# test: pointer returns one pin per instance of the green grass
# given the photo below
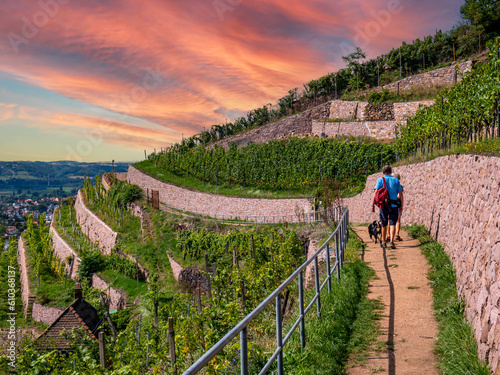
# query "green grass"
(488, 147)
(131, 287)
(456, 347)
(348, 323)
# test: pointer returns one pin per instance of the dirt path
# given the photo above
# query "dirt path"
(176, 267)
(408, 325)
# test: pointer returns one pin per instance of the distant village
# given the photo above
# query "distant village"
(13, 213)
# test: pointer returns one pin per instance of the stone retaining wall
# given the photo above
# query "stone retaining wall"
(374, 129)
(22, 261)
(115, 298)
(458, 199)
(294, 125)
(404, 110)
(63, 250)
(37, 312)
(45, 314)
(439, 77)
(211, 204)
(93, 227)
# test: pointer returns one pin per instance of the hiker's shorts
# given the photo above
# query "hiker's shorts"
(389, 215)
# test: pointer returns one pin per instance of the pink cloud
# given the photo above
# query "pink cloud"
(102, 53)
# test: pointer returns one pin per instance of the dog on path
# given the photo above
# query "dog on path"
(375, 231)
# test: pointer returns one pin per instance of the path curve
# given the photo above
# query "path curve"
(408, 327)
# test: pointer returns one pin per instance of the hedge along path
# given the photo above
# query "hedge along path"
(408, 328)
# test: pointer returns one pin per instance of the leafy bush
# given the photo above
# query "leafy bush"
(92, 262)
(124, 193)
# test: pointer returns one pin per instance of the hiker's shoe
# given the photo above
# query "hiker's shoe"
(391, 244)
(399, 238)
(383, 245)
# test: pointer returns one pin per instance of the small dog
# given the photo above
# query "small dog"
(375, 230)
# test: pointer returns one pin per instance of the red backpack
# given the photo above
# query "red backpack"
(382, 196)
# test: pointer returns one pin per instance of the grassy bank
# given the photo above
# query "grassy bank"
(456, 347)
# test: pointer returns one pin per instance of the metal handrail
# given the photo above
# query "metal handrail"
(340, 237)
(309, 217)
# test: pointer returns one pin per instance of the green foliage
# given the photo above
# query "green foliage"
(38, 241)
(485, 13)
(92, 262)
(111, 206)
(124, 193)
(456, 346)
(381, 97)
(296, 163)
(464, 114)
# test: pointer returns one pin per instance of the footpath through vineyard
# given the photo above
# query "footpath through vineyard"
(408, 328)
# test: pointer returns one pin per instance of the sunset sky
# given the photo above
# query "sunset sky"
(98, 80)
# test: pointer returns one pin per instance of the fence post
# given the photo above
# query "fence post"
(279, 334)
(301, 309)
(171, 340)
(102, 350)
(328, 268)
(244, 351)
(316, 278)
(337, 254)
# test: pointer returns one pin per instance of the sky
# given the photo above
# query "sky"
(102, 80)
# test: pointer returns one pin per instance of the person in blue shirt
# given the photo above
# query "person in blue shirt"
(398, 224)
(389, 215)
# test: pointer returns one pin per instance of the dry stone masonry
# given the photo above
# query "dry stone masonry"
(116, 300)
(458, 199)
(32, 309)
(93, 227)
(375, 129)
(211, 204)
(298, 124)
(439, 77)
(378, 121)
(63, 250)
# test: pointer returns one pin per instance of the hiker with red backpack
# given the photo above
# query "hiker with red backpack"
(388, 197)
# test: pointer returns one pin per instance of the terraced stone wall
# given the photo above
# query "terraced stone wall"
(211, 204)
(457, 198)
(93, 227)
(439, 77)
(63, 250)
(375, 129)
(32, 309)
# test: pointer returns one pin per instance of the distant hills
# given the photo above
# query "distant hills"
(26, 177)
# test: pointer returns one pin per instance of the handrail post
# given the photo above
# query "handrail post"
(316, 277)
(328, 273)
(244, 351)
(301, 309)
(279, 334)
(337, 254)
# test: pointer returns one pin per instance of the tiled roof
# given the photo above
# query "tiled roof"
(79, 314)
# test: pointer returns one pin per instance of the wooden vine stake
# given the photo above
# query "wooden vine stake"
(253, 247)
(243, 297)
(102, 350)
(171, 339)
(235, 257)
(207, 269)
(198, 298)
